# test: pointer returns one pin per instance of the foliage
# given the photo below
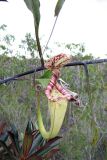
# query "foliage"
(34, 7)
(33, 146)
(58, 6)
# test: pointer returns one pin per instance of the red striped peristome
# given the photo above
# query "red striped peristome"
(71, 96)
(52, 83)
(68, 94)
(58, 61)
(54, 64)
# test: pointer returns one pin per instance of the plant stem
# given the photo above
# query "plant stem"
(39, 47)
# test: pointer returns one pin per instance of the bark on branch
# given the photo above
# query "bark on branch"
(75, 63)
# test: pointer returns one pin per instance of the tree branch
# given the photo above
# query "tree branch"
(15, 77)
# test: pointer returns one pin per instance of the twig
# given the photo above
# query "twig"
(21, 75)
(42, 68)
(50, 35)
(87, 62)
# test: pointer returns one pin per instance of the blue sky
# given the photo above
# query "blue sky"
(80, 21)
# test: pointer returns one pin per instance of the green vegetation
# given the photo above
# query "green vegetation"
(33, 145)
(84, 129)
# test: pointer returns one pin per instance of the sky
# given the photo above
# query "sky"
(80, 21)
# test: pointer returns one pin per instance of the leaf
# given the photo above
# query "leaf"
(7, 149)
(43, 82)
(15, 143)
(3, 47)
(34, 157)
(37, 142)
(86, 113)
(48, 146)
(14, 137)
(45, 78)
(4, 137)
(34, 7)
(51, 141)
(95, 137)
(95, 132)
(58, 7)
(2, 126)
(47, 74)
(28, 139)
(51, 153)
(13, 134)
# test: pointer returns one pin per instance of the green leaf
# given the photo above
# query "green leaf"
(58, 7)
(15, 143)
(49, 146)
(4, 137)
(28, 139)
(95, 137)
(34, 7)
(37, 142)
(95, 132)
(43, 82)
(3, 47)
(3, 27)
(86, 113)
(45, 78)
(47, 74)
(13, 134)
